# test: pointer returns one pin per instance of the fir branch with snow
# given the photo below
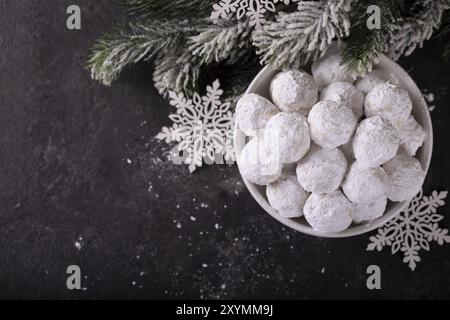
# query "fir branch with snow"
(411, 32)
(296, 38)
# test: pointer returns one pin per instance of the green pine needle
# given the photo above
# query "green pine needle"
(135, 43)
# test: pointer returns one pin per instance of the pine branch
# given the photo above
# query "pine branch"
(169, 8)
(302, 36)
(225, 41)
(176, 70)
(138, 42)
(364, 45)
(413, 31)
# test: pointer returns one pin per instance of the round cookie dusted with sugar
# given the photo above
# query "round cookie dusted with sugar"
(369, 211)
(412, 136)
(287, 135)
(405, 177)
(391, 102)
(329, 69)
(257, 165)
(346, 93)
(375, 142)
(331, 123)
(253, 112)
(364, 185)
(286, 196)
(294, 90)
(370, 81)
(322, 170)
(328, 212)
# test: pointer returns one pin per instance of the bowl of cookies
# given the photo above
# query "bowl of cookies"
(331, 154)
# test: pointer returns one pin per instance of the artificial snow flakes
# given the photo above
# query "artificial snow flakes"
(202, 126)
(413, 229)
(254, 9)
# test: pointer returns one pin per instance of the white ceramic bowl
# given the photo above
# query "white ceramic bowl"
(260, 85)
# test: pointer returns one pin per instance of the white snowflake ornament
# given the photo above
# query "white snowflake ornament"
(253, 9)
(413, 229)
(202, 126)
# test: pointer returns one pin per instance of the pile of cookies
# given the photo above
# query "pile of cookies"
(330, 146)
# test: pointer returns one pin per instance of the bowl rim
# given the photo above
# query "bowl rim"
(355, 229)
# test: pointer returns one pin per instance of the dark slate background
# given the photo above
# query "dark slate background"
(69, 196)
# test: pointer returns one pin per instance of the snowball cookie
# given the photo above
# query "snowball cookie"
(390, 102)
(257, 165)
(294, 90)
(369, 211)
(331, 123)
(287, 135)
(405, 177)
(364, 185)
(253, 112)
(345, 92)
(412, 136)
(371, 80)
(329, 69)
(375, 142)
(287, 196)
(328, 212)
(322, 170)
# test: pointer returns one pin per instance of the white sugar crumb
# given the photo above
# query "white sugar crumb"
(217, 226)
(129, 161)
(223, 286)
(179, 225)
(204, 265)
(429, 97)
(78, 243)
(322, 271)
(193, 218)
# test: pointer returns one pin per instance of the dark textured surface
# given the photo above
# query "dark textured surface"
(65, 182)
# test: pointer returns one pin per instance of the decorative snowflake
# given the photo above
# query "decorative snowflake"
(202, 126)
(413, 229)
(254, 9)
